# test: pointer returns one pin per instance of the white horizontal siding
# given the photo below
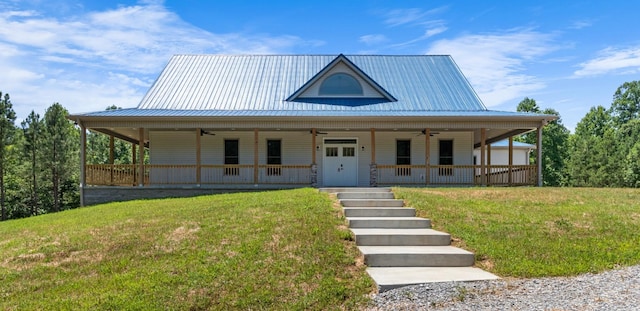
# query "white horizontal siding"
(179, 147)
(386, 147)
(172, 148)
(500, 156)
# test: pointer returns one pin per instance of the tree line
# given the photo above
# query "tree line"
(603, 151)
(39, 159)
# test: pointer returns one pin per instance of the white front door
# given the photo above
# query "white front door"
(340, 163)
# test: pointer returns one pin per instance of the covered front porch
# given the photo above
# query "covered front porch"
(196, 157)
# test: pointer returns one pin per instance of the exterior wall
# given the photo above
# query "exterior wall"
(179, 148)
(386, 147)
(172, 148)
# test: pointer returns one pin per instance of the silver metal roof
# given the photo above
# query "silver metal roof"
(259, 86)
(134, 112)
(263, 83)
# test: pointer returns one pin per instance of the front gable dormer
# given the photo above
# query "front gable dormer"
(341, 83)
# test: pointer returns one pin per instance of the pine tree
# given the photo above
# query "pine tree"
(7, 129)
(32, 131)
(60, 150)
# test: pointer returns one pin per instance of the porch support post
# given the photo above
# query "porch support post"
(83, 161)
(539, 155)
(133, 162)
(255, 156)
(314, 165)
(427, 155)
(111, 147)
(141, 157)
(373, 167)
(313, 145)
(510, 160)
(489, 164)
(198, 156)
(483, 151)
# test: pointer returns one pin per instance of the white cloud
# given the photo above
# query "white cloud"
(612, 61)
(399, 17)
(434, 31)
(416, 18)
(373, 39)
(495, 64)
(94, 60)
(580, 24)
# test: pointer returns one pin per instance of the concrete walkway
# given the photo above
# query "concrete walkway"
(399, 248)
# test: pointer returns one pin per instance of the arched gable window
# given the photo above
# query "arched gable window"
(340, 84)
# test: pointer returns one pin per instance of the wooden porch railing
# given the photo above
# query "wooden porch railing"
(504, 175)
(126, 174)
(155, 174)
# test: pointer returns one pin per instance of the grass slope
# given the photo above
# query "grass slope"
(534, 232)
(268, 250)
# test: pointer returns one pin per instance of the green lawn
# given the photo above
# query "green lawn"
(281, 250)
(534, 232)
(290, 249)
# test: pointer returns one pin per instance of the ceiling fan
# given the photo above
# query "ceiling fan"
(318, 133)
(203, 132)
(424, 132)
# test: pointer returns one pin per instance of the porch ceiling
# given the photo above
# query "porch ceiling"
(493, 134)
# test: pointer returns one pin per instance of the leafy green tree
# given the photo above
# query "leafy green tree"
(98, 148)
(626, 103)
(554, 144)
(632, 167)
(32, 131)
(60, 151)
(585, 157)
(7, 130)
(628, 138)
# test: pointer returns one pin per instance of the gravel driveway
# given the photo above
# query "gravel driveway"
(611, 290)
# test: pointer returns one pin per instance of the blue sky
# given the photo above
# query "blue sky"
(87, 55)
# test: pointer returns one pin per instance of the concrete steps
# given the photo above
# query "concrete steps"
(389, 222)
(371, 203)
(400, 237)
(379, 212)
(399, 248)
(366, 195)
(416, 256)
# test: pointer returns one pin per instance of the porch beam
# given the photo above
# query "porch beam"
(510, 160)
(198, 156)
(539, 155)
(141, 157)
(427, 155)
(483, 172)
(255, 156)
(503, 136)
(83, 161)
